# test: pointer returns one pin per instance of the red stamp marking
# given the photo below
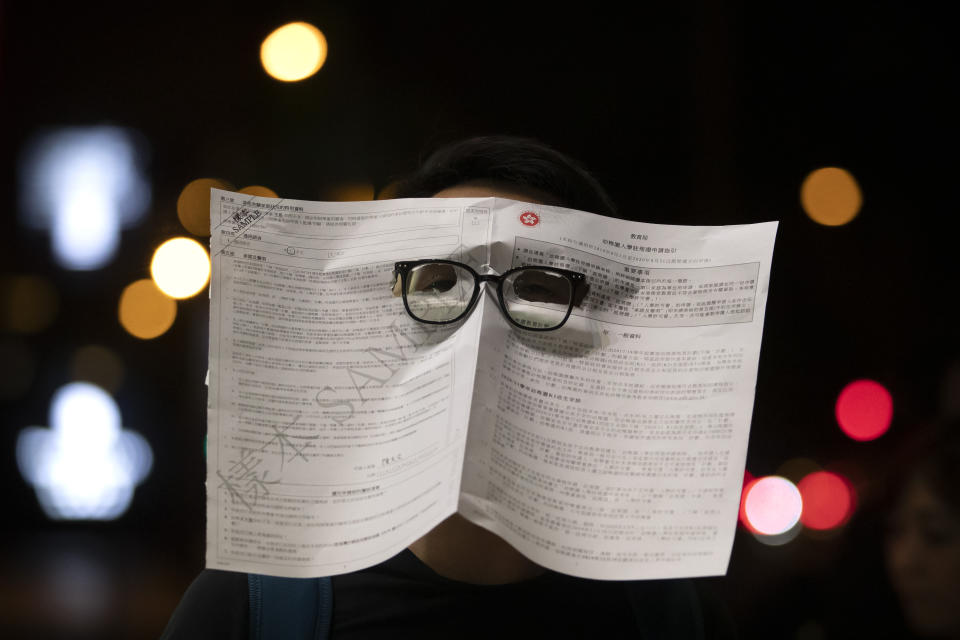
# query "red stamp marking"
(529, 218)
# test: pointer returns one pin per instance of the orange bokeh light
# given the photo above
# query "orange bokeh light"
(193, 204)
(831, 196)
(259, 190)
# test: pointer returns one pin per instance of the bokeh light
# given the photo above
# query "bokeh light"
(28, 304)
(85, 466)
(18, 370)
(389, 191)
(831, 196)
(351, 191)
(80, 588)
(772, 505)
(84, 184)
(99, 365)
(864, 410)
(180, 267)
(748, 480)
(193, 204)
(796, 469)
(780, 539)
(257, 190)
(828, 500)
(145, 311)
(294, 52)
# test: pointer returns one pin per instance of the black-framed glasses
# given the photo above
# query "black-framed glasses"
(444, 291)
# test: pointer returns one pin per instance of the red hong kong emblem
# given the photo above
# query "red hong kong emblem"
(529, 218)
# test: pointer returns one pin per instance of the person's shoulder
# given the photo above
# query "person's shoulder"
(214, 607)
(679, 608)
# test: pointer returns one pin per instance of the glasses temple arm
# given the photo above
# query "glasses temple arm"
(580, 291)
(397, 288)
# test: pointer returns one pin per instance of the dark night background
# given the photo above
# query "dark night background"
(690, 113)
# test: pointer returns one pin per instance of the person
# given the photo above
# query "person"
(460, 580)
(922, 549)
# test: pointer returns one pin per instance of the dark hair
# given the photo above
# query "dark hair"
(933, 457)
(511, 161)
(940, 469)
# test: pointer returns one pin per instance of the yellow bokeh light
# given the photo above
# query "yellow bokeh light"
(257, 190)
(389, 191)
(795, 469)
(99, 365)
(28, 304)
(180, 267)
(294, 51)
(831, 196)
(18, 370)
(144, 311)
(350, 192)
(193, 205)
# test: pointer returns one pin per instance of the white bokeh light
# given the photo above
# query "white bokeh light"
(84, 184)
(86, 232)
(773, 505)
(85, 466)
(180, 267)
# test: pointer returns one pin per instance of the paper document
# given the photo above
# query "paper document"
(341, 430)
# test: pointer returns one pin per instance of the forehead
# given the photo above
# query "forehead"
(920, 502)
(482, 189)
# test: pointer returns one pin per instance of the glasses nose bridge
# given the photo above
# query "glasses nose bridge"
(490, 277)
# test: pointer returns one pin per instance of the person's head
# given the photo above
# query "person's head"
(519, 168)
(923, 539)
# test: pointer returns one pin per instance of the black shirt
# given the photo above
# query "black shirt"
(404, 598)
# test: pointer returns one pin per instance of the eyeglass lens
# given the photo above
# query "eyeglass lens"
(537, 299)
(439, 292)
(533, 298)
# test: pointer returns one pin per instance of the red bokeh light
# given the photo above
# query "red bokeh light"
(748, 480)
(864, 410)
(828, 500)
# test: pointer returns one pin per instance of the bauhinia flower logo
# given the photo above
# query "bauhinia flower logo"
(529, 218)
